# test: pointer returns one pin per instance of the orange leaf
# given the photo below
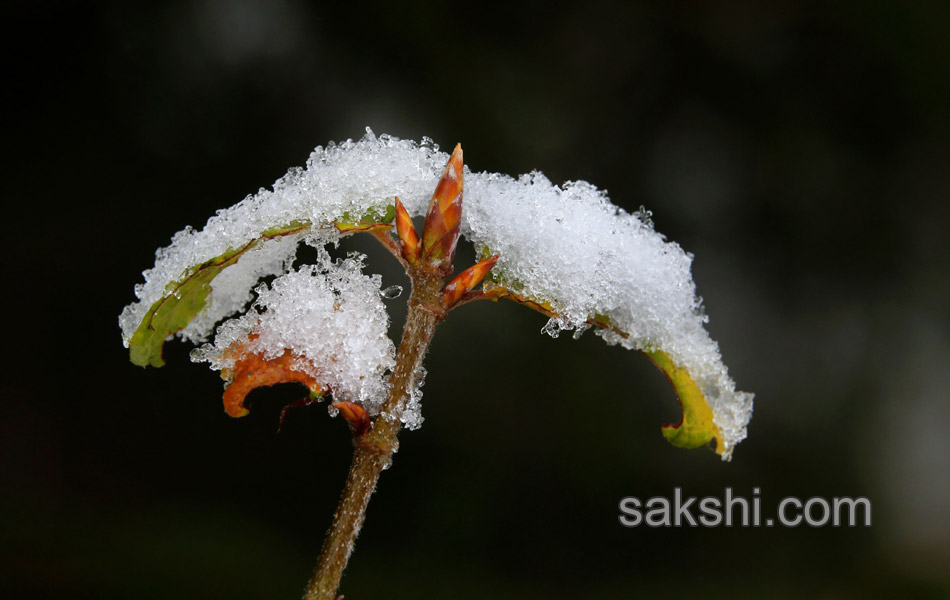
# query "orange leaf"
(253, 371)
(407, 234)
(465, 281)
(441, 231)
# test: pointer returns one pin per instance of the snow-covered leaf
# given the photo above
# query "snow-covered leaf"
(186, 298)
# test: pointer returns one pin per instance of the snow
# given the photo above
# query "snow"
(331, 316)
(410, 412)
(567, 245)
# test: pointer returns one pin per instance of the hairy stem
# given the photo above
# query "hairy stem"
(373, 450)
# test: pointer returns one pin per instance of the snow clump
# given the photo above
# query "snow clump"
(331, 316)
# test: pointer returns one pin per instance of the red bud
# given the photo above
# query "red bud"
(465, 281)
(407, 234)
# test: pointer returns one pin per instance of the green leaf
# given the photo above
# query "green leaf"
(185, 298)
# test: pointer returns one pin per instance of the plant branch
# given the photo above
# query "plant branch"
(373, 450)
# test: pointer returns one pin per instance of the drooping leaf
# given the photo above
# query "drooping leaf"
(696, 427)
(185, 298)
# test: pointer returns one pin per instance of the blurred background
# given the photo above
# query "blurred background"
(799, 151)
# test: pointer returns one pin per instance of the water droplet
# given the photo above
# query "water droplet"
(393, 291)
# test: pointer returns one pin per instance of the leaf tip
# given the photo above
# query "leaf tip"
(697, 426)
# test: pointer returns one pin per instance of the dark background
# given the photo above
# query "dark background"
(800, 151)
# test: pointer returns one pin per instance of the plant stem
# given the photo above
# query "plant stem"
(373, 450)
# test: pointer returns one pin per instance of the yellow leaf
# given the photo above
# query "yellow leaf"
(696, 428)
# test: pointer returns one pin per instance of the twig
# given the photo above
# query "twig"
(373, 450)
